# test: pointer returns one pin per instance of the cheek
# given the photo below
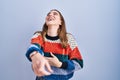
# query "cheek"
(60, 22)
(46, 19)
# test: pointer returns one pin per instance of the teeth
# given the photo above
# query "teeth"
(50, 19)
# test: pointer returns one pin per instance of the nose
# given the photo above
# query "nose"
(50, 14)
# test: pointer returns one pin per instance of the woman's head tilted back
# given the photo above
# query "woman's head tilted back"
(56, 19)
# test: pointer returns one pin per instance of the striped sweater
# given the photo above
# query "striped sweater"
(70, 56)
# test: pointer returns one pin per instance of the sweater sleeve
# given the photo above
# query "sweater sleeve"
(72, 66)
(34, 46)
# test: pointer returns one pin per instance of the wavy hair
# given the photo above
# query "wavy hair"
(61, 31)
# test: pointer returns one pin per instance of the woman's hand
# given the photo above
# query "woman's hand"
(40, 65)
(53, 61)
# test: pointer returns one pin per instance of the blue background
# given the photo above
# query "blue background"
(94, 23)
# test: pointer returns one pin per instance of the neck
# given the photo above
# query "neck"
(52, 31)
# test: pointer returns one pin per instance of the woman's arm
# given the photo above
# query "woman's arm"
(40, 65)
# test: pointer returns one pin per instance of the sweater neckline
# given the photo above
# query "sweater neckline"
(52, 37)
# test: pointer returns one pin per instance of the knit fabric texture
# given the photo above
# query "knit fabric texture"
(70, 56)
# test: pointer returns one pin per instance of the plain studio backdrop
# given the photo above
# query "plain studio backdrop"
(95, 25)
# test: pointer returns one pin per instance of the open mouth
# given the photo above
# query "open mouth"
(50, 19)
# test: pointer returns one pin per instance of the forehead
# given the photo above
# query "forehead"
(54, 11)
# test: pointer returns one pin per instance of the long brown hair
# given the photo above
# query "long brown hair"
(61, 31)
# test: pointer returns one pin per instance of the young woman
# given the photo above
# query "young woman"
(54, 52)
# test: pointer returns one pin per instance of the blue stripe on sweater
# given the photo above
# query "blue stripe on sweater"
(32, 48)
(58, 77)
(70, 65)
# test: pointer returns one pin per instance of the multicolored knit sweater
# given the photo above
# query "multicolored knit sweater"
(70, 57)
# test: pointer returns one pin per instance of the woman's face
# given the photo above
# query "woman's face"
(53, 18)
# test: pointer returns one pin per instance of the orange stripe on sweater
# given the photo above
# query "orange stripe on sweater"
(55, 48)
